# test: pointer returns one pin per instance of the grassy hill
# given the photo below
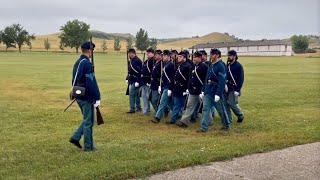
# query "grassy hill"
(188, 42)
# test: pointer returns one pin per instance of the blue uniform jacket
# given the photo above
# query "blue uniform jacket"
(237, 72)
(155, 76)
(86, 78)
(198, 78)
(134, 70)
(167, 76)
(146, 71)
(216, 79)
(181, 79)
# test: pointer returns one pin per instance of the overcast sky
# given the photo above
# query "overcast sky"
(247, 19)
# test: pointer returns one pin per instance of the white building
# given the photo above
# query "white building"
(251, 48)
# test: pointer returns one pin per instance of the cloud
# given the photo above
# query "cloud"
(166, 18)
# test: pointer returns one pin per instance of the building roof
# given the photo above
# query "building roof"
(245, 43)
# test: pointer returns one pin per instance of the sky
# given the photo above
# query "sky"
(246, 19)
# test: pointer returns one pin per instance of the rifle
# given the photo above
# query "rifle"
(127, 92)
(144, 57)
(161, 69)
(186, 101)
(98, 113)
(201, 101)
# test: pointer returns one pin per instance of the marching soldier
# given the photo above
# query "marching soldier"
(235, 78)
(181, 79)
(134, 80)
(205, 57)
(147, 67)
(166, 87)
(83, 76)
(155, 80)
(189, 62)
(198, 77)
(213, 94)
(208, 63)
(174, 55)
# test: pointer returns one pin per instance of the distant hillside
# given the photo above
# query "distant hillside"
(110, 36)
(189, 42)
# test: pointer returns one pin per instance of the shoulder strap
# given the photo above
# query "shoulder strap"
(147, 62)
(195, 71)
(133, 68)
(181, 74)
(231, 75)
(165, 73)
(75, 77)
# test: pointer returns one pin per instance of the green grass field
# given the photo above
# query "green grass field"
(281, 101)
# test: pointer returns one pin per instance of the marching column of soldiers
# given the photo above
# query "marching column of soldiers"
(175, 84)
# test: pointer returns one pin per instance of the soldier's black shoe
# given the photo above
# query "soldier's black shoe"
(240, 120)
(90, 150)
(225, 128)
(181, 124)
(170, 122)
(155, 120)
(139, 110)
(76, 143)
(130, 112)
(201, 131)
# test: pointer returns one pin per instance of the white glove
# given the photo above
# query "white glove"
(236, 93)
(148, 84)
(97, 103)
(136, 84)
(226, 88)
(201, 95)
(127, 81)
(216, 98)
(184, 93)
(187, 91)
(169, 93)
(159, 89)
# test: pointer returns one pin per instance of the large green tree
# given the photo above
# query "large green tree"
(0, 37)
(153, 43)
(74, 33)
(129, 42)
(46, 44)
(116, 44)
(299, 43)
(142, 40)
(7, 37)
(104, 46)
(16, 35)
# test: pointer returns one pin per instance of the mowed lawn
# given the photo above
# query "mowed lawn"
(280, 99)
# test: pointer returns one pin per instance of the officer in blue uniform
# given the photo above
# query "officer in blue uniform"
(198, 78)
(83, 76)
(181, 79)
(155, 80)
(213, 94)
(235, 79)
(134, 80)
(166, 87)
(146, 80)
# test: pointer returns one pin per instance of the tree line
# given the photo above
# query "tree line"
(72, 34)
(75, 32)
